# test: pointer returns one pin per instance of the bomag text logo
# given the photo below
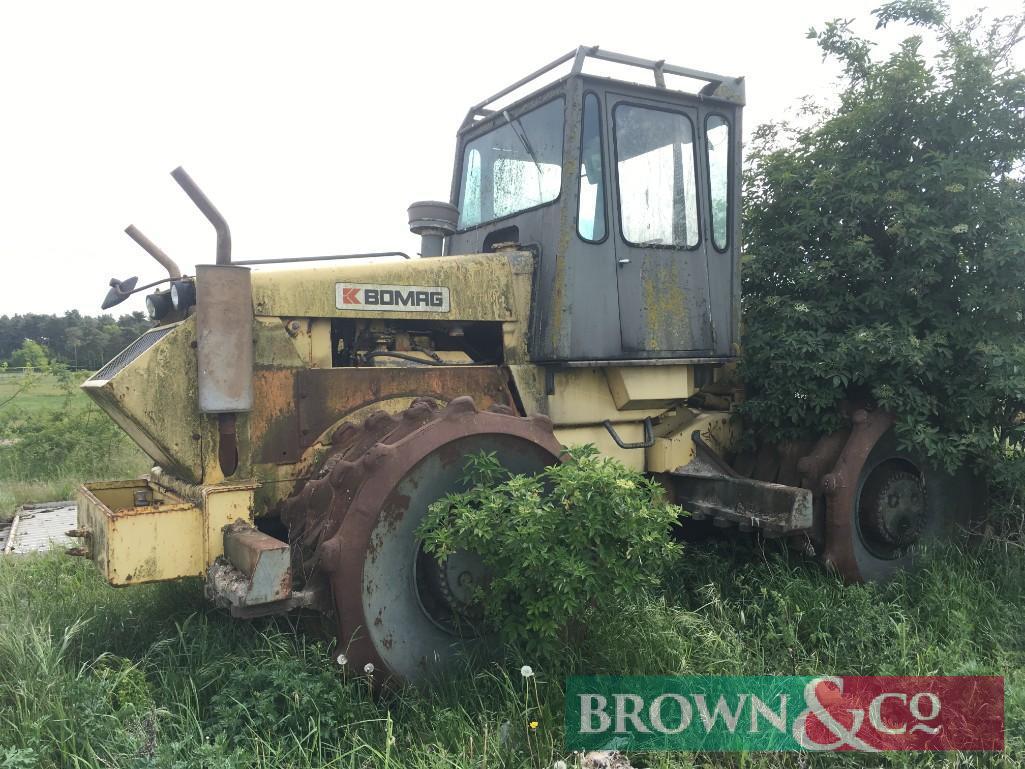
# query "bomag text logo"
(376, 297)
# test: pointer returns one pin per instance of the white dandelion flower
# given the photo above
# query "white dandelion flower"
(526, 671)
(341, 659)
(368, 668)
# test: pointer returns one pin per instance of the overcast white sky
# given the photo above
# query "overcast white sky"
(311, 125)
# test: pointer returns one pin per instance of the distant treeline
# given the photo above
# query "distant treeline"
(80, 341)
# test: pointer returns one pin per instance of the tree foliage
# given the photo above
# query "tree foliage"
(77, 340)
(887, 241)
(30, 354)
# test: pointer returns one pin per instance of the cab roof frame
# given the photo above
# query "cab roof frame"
(726, 88)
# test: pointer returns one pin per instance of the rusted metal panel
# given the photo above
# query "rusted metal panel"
(141, 531)
(224, 336)
(327, 395)
(152, 397)
(274, 420)
(771, 508)
(263, 560)
(41, 527)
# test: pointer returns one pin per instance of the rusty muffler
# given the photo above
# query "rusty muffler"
(224, 331)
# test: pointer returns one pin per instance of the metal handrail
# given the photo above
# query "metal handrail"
(582, 53)
(288, 259)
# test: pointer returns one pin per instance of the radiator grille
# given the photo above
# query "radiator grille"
(131, 352)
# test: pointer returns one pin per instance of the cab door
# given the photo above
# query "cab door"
(662, 255)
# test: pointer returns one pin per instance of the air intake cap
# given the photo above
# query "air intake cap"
(433, 221)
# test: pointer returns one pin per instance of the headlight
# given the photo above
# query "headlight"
(183, 294)
(158, 304)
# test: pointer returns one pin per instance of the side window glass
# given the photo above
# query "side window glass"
(655, 168)
(717, 138)
(591, 208)
(515, 166)
(469, 200)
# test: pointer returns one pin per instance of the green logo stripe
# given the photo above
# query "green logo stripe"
(712, 713)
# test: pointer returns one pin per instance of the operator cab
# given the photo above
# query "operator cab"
(628, 193)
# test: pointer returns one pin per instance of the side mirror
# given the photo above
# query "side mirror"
(119, 291)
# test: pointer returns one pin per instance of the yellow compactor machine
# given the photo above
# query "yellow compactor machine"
(582, 285)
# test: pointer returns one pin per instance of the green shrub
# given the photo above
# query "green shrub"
(567, 544)
(125, 687)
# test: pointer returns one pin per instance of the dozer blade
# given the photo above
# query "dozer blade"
(708, 488)
(770, 508)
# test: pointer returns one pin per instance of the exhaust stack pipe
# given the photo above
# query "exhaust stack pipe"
(153, 250)
(209, 211)
(224, 332)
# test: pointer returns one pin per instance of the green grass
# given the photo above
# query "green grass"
(45, 395)
(151, 676)
(52, 438)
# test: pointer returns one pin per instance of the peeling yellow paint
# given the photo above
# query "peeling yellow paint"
(167, 539)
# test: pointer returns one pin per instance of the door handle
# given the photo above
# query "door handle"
(621, 262)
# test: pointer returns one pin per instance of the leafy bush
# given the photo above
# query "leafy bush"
(569, 543)
(888, 243)
(76, 440)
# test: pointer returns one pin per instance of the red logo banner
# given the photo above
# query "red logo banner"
(903, 713)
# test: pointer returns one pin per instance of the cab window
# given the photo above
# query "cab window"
(591, 206)
(515, 166)
(655, 169)
(717, 140)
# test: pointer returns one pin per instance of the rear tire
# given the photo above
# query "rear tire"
(883, 504)
(946, 503)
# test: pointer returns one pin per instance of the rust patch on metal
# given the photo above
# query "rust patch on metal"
(395, 509)
(274, 420)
